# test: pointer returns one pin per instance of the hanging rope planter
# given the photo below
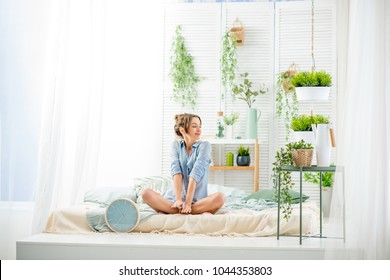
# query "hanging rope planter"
(237, 32)
(312, 85)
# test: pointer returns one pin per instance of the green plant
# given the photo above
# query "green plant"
(312, 79)
(286, 99)
(228, 62)
(242, 151)
(314, 177)
(304, 122)
(230, 120)
(284, 157)
(182, 72)
(299, 145)
(244, 91)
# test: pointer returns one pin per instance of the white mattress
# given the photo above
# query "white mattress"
(242, 222)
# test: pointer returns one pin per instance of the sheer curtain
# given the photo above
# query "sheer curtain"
(363, 128)
(72, 110)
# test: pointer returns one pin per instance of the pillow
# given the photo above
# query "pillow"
(106, 195)
(229, 192)
(269, 195)
(159, 184)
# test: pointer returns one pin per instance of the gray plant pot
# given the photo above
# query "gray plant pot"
(243, 160)
(326, 200)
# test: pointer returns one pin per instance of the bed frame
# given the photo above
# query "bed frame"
(143, 246)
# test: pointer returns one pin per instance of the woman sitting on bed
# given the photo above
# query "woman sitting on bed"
(190, 160)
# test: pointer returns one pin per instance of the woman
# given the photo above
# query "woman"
(190, 160)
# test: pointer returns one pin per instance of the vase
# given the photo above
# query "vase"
(252, 117)
(323, 144)
(229, 132)
(326, 200)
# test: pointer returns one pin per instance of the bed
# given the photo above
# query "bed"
(243, 218)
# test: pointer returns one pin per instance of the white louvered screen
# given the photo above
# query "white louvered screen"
(276, 34)
(293, 42)
(255, 57)
(201, 29)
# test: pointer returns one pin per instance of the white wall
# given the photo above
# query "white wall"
(15, 224)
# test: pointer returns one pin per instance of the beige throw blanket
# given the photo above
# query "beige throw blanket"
(242, 222)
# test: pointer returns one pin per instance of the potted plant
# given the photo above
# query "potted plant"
(284, 157)
(302, 153)
(182, 72)
(228, 63)
(327, 184)
(245, 92)
(229, 121)
(312, 85)
(286, 98)
(243, 156)
(302, 126)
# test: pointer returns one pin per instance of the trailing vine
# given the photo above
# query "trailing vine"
(283, 157)
(286, 100)
(228, 63)
(182, 72)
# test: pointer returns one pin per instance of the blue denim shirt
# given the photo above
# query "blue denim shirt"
(195, 165)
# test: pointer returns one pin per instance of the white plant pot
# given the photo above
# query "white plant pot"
(312, 93)
(326, 200)
(307, 136)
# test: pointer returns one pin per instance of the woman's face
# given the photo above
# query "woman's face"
(195, 129)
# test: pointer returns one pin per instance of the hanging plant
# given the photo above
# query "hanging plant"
(286, 98)
(228, 63)
(182, 72)
(284, 157)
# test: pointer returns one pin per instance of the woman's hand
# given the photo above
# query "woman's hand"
(177, 204)
(186, 209)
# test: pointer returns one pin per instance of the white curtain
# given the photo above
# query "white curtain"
(363, 129)
(72, 110)
(81, 80)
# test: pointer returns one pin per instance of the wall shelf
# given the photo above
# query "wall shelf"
(222, 167)
(219, 167)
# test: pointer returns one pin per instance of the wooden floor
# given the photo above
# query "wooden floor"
(166, 247)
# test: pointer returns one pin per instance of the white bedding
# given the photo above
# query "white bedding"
(240, 215)
(236, 222)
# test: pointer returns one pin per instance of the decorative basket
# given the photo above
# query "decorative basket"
(291, 72)
(302, 157)
(237, 31)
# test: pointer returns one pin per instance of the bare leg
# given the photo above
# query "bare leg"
(211, 204)
(158, 202)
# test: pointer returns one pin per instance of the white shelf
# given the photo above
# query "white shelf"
(219, 167)
(231, 141)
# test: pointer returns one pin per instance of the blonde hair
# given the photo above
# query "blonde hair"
(184, 121)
